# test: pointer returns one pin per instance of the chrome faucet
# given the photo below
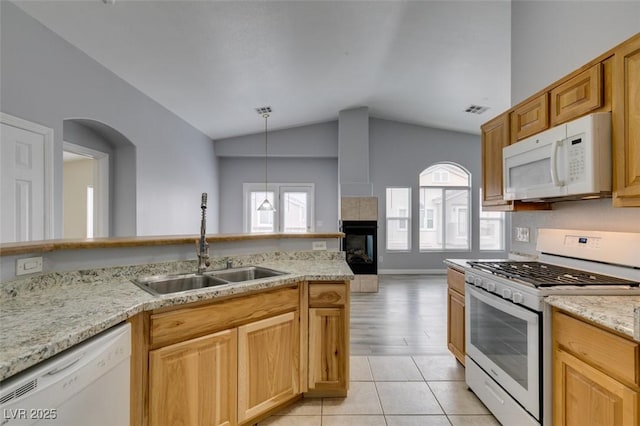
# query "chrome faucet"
(202, 247)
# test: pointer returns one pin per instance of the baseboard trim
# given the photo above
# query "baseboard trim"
(412, 271)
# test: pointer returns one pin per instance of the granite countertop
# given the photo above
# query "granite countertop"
(614, 312)
(45, 316)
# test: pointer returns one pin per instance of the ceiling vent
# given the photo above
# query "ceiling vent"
(264, 110)
(476, 109)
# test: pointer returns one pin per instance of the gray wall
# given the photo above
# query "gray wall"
(46, 80)
(549, 40)
(398, 153)
(323, 172)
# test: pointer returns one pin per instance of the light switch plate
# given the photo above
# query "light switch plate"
(319, 245)
(522, 234)
(28, 265)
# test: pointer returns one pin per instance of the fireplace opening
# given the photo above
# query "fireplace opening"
(360, 245)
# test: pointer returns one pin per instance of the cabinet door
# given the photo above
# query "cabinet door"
(268, 364)
(530, 118)
(328, 351)
(455, 324)
(626, 125)
(495, 136)
(194, 382)
(577, 96)
(584, 396)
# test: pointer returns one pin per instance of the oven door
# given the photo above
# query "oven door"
(504, 340)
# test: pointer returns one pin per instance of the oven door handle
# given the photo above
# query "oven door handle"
(501, 304)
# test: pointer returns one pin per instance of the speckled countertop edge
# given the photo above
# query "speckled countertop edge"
(41, 317)
(613, 312)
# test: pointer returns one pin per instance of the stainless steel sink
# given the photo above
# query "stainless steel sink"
(246, 273)
(169, 284)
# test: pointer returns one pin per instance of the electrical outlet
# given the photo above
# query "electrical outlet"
(28, 265)
(380, 259)
(522, 234)
(319, 245)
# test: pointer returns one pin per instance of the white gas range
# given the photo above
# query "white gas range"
(508, 327)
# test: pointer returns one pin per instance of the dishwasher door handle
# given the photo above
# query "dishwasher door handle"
(64, 367)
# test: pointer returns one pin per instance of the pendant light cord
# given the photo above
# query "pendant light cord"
(266, 116)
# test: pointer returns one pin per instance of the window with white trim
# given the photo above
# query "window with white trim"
(294, 204)
(398, 219)
(492, 226)
(445, 200)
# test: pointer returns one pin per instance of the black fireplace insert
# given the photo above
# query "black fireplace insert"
(360, 244)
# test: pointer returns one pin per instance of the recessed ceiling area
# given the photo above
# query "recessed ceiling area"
(212, 62)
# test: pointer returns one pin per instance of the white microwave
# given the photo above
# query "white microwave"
(570, 161)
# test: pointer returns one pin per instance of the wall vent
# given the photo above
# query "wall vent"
(476, 109)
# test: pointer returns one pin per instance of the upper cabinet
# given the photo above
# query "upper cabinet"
(577, 96)
(530, 118)
(626, 124)
(611, 82)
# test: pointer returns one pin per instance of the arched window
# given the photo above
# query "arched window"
(445, 213)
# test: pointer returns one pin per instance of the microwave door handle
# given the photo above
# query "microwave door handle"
(554, 164)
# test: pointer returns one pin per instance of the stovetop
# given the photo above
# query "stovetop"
(539, 274)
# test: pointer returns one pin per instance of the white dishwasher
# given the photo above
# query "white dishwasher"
(86, 385)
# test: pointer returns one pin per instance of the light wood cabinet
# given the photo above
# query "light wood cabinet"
(328, 339)
(626, 124)
(577, 96)
(595, 375)
(530, 118)
(495, 136)
(455, 314)
(194, 382)
(268, 364)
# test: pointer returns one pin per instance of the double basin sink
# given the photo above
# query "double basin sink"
(170, 284)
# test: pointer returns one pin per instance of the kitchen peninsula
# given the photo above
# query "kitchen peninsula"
(304, 312)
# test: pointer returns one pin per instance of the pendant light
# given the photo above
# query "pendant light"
(265, 206)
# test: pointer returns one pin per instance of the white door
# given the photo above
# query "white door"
(24, 204)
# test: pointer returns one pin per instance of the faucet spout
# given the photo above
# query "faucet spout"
(202, 247)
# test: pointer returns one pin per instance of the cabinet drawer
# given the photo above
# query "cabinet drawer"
(577, 96)
(530, 118)
(327, 295)
(186, 323)
(610, 353)
(455, 280)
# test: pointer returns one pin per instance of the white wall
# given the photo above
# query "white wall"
(549, 40)
(46, 80)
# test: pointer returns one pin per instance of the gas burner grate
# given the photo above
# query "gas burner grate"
(546, 275)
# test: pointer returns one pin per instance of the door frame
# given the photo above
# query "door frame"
(101, 181)
(47, 134)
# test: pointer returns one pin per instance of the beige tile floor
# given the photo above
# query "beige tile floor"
(401, 372)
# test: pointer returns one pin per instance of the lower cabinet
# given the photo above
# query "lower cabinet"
(195, 382)
(236, 361)
(327, 367)
(455, 314)
(328, 362)
(268, 364)
(596, 375)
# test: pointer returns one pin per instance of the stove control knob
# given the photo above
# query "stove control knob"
(506, 293)
(477, 282)
(491, 287)
(517, 298)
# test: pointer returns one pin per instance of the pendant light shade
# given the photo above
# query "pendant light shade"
(266, 205)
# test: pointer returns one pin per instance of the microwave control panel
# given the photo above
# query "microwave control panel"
(576, 157)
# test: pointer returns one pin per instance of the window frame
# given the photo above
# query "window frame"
(444, 216)
(502, 219)
(278, 190)
(398, 218)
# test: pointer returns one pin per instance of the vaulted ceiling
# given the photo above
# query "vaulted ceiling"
(213, 62)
